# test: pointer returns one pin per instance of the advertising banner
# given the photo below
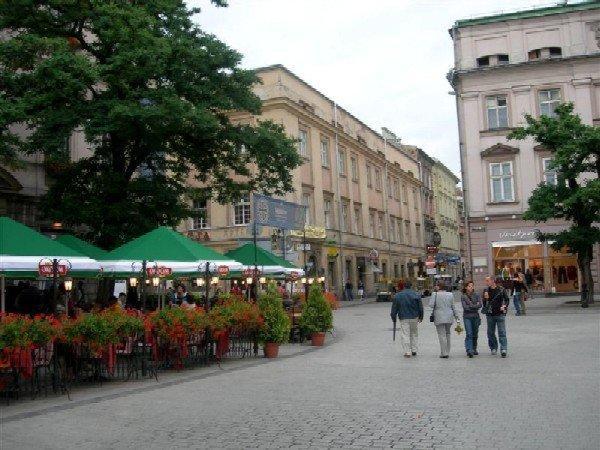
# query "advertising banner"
(278, 213)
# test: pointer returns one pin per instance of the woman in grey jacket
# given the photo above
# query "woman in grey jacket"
(444, 314)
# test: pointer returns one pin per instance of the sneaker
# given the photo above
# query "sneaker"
(469, 354)
(475, 352)
(504, 355)
(414, 353)
(494, 352)
(407, 355)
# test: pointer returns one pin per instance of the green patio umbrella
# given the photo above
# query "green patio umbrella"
(23, 249)
(82, 246)
(267, 262)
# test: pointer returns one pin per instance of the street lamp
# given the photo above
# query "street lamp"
(155, 281)
(68, 284)
(214, 281)
(249, 280)
(262, 280)
(133, 281)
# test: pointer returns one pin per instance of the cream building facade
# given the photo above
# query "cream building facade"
(505, 66)
(362, 191)
(446, 218)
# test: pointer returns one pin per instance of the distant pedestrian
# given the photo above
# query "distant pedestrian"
(444, 314)
(348, 291)
(407, 307)
(471, 303)
(519, 292)
(495, 305)
(361, 290)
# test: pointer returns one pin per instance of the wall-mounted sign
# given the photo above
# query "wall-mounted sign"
(251, 272)
(518, 235)
(160, 271)
(223, 271)
(45, 269)
(311, 232)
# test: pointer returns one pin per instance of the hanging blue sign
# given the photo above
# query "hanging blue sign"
(278, 213)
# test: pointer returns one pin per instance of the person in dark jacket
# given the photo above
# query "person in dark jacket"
(519, 292)
(471, 303)
(495, 305)
(407, 307)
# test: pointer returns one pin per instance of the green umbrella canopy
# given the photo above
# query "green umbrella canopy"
(22, 248)
(245, 255)
(164, 244)
(82, 246)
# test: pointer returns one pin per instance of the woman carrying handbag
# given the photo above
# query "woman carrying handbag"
(443, 315)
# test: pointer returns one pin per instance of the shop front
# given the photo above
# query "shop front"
(547, 270)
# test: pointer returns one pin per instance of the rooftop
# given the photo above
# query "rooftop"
(536, 11)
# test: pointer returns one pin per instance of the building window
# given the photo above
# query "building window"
(388, 187)
(532, 55)
(369, 179)
(241, 211)
(307, 208)
(200, 217)
(381, 233)
(341, 162)
(555, 52)
(393, 236)
(371, 225)
(344, 218)
(396, 190)
(377, 179)
(354, 168)
(503, 59)
(418, 231)
(327, 213)
(484, 61)
(549, 172)
(404, 194)
(400, 234)
(501, 182)
(407, 232)
(497, 112)
(416, 197)
(357, 221)
(303, 143)
(549, 100)
(324, 152)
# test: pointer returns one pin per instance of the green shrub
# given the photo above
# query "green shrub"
(276, 326)
(316, 313)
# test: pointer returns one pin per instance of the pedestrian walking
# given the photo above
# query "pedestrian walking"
(495, 305)
(471, 303)
(348, 291)
(443, 316)
(361, 290)
(408, 308)
(519, 292)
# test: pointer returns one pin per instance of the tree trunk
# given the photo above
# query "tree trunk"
(584, 260)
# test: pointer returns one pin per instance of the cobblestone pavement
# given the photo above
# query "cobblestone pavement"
(359, 392)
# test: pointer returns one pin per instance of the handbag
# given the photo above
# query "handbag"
(431, 317)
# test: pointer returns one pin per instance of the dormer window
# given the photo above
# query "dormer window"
(503, 59)
(555, 52)
(484, 61)
(534, 54)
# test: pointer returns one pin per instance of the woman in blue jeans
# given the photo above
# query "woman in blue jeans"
(471, 303)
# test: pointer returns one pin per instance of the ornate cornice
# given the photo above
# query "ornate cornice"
(499, 150)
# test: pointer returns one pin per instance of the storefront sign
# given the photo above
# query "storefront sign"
(373, 255)
(332, 252)
(311, 232)
(251, 272)
(160, 271)
(518, 235)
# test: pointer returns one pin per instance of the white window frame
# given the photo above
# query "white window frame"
(546, 172)
(341, 162)
(495, 125)
(501, 177)
(303, 143)
(327, 213)
(354, 168)
(242, 210)
(325, 156)
(306, 201)
(200, 222)
(550, 102)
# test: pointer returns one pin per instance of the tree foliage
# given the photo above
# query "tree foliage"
(575, 151)
(152, 95)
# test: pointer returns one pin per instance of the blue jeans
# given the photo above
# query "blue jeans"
(517, 302)
(472, 331)
(492, 323)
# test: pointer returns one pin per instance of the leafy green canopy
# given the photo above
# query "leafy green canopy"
(151, 93)
(575, 150)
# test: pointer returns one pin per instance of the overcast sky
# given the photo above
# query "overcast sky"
(385, 61)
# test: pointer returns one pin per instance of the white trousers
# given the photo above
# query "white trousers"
(444, 332)
(409, 334)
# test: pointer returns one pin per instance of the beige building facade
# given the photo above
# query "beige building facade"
(506, 66)
(446, 219)
(361, 189)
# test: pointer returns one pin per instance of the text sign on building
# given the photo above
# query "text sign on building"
(45, 269)
(278, 213)
(223, 271)
(160, 271)
(251, 272)
(518, 235)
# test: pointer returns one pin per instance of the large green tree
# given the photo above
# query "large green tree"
(152, 95)
(575, 150)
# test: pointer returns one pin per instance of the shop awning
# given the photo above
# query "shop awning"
(514, 243)
(81, 246)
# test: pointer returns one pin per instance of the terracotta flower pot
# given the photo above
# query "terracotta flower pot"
(271, 349)
(318, 339)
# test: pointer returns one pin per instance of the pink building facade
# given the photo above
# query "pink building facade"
(507, 66)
